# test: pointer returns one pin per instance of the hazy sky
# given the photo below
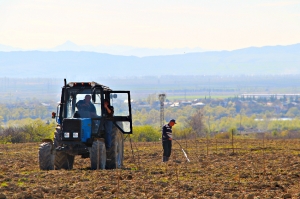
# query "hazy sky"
(208, 24)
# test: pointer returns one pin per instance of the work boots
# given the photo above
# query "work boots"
(165, 159)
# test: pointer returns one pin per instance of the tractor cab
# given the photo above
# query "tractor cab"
(75, 93)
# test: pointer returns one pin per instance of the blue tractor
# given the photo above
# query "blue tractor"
(87, 128)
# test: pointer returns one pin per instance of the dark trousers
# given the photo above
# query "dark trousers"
(167, 146)
(108, 133)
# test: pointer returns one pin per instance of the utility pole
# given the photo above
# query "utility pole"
(162, 98)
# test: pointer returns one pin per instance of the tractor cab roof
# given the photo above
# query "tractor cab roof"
(88, 85)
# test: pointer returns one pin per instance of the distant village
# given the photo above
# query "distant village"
(278, 104)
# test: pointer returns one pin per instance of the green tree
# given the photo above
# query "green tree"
(27, 130)
(293, 112)
(145, 133)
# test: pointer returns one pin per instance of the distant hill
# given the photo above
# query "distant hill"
(269, 60)
(123, 50)
(5, 48)
(111, 49)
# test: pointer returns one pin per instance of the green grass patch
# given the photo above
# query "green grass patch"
(25, 172)
(4, 184)
(134, 168)
(20, 184)
(23, 180)
(164, 180)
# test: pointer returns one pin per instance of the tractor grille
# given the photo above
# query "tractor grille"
(71, 127)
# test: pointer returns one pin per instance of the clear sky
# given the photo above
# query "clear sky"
(208, 24)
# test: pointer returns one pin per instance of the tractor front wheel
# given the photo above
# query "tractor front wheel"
(46, 156)
(63, 160)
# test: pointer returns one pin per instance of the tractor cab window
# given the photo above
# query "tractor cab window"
(120, 100)
(120, 103)
(84, 108)
(80, 105)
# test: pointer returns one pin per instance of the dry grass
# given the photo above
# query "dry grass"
(257, 169)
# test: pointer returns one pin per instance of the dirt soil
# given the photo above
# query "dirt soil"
(250, 169)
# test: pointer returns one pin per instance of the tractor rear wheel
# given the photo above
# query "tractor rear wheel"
(46, 156)
(63, 160)
(98, 155)
(115, 153)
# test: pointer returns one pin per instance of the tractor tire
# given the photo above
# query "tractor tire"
(46, 156)
(98, 155)
(63, 160)
(115, 154)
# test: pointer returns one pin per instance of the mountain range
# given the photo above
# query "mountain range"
(268, 60)
(113, 49)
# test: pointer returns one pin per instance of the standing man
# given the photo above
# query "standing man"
(108, 112)
(167, 139)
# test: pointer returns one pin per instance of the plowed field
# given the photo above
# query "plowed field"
(251, 169)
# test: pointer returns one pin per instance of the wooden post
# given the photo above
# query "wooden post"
(207, 143)
(232, 141)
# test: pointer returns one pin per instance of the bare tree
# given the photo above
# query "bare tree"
(196, 122)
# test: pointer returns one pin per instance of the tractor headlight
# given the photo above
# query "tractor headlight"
(66, 134)
(75, 135)
(71, 84)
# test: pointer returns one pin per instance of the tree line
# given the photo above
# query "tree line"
(26, 130)
(30, 121)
